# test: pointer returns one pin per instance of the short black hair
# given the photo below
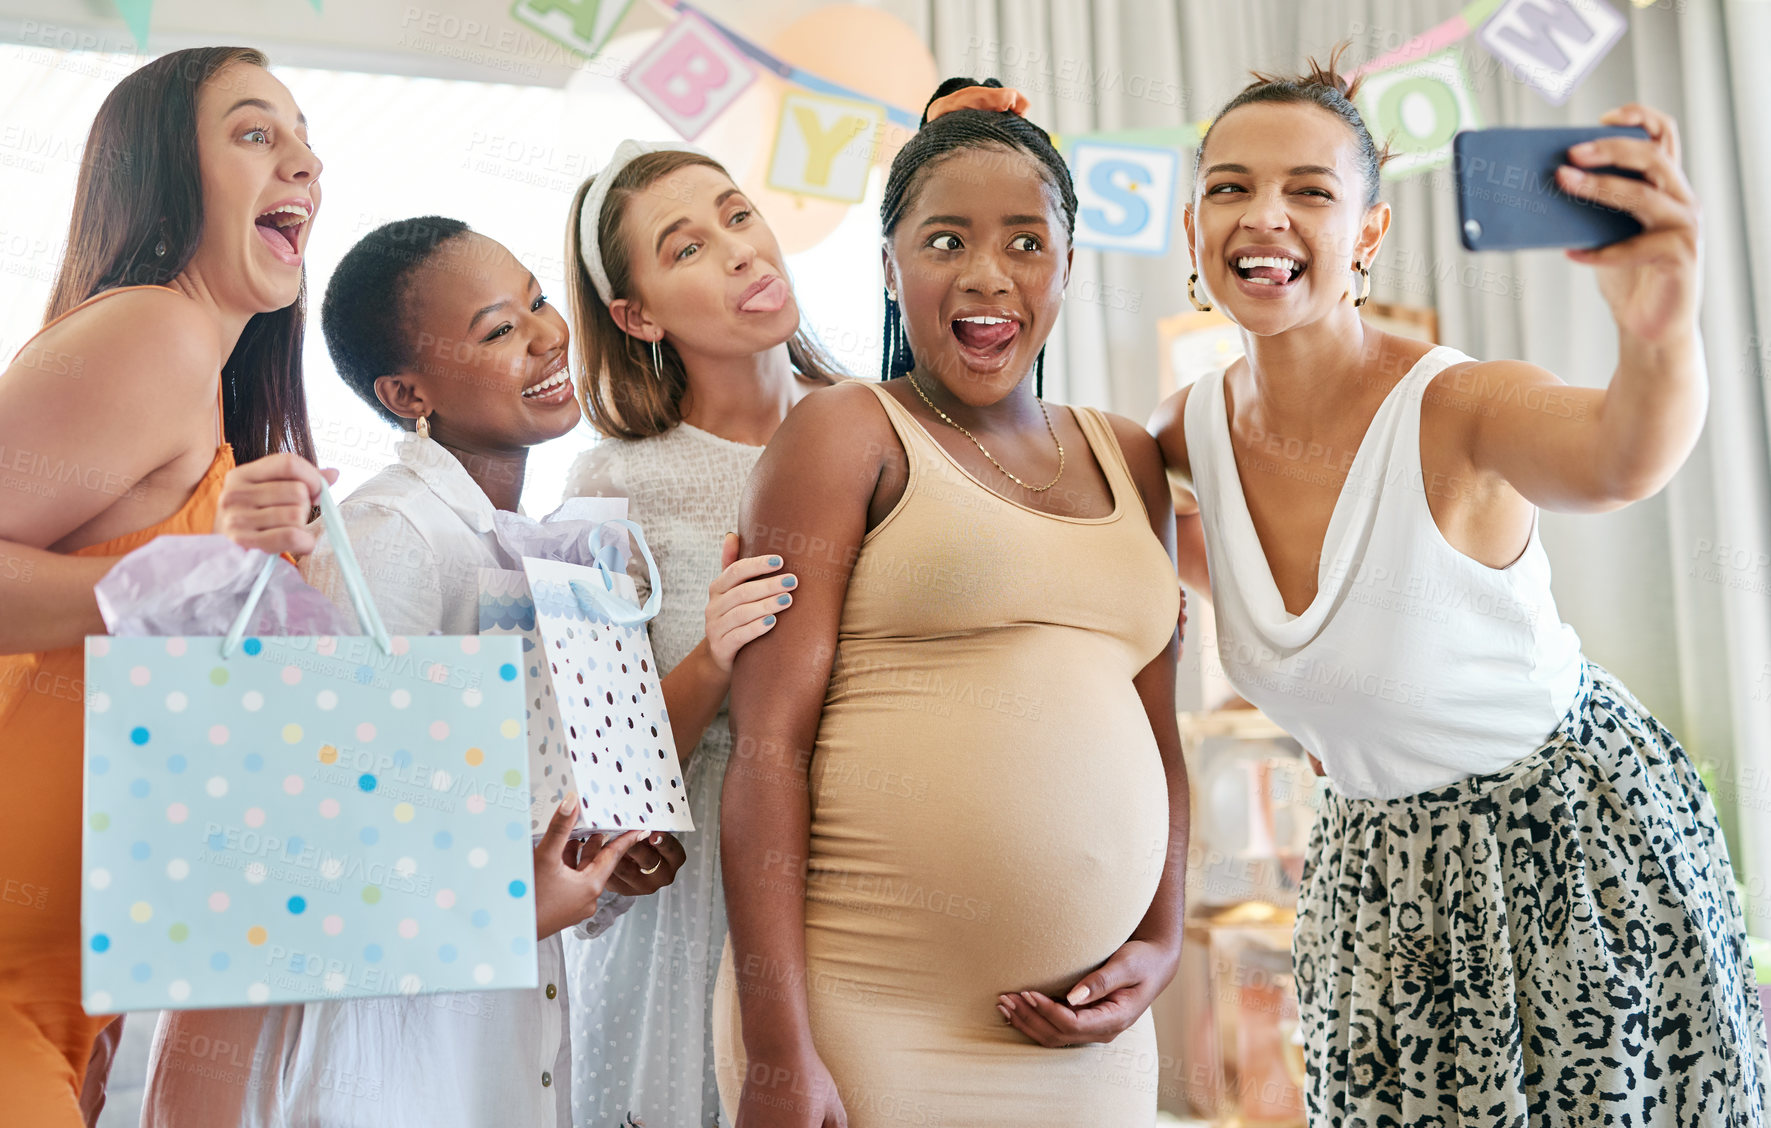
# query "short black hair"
(951, 133)
(364, 312)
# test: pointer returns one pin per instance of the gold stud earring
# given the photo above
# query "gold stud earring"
(1202, 307)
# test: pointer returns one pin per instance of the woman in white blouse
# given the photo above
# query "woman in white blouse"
(494, 385)
(690, 353)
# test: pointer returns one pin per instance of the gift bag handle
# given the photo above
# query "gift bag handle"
(603, 602)
(354, 584)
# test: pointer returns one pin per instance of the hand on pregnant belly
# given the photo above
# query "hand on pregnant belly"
(1102, 1005)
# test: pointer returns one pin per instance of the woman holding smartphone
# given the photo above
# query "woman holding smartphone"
(1517, 906)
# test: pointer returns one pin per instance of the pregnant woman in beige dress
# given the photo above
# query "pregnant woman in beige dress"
(954, 823)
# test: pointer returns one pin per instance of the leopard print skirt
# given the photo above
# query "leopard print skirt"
(1556, 943)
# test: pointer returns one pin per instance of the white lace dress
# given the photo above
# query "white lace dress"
(641, 1036)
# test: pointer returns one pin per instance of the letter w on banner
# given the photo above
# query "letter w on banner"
(690, 75)
(1551, 45)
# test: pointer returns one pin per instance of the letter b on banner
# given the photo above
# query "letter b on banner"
(690, 75)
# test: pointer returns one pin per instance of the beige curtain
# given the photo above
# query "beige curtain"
(1673, 594)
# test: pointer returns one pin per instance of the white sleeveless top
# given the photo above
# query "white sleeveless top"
(1415, 666)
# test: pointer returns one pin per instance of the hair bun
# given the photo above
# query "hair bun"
(950, 86)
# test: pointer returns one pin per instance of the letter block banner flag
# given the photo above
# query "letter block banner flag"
(1418, 108)
(582, 25)
(1125, 196)
(824, 147)
(690, 75)
(1552, 45)
(282, 819)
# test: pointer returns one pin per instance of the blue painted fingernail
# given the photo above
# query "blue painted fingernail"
(768, 620)
(774, 561)
(789, 581)
(784, 600)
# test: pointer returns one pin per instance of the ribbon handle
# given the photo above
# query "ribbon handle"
(354, 584)
(603, 602)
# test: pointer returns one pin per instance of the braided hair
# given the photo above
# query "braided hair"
(1322, 85)
(949, 134)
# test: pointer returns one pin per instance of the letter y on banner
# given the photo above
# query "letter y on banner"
(690, 75)
(824, 147)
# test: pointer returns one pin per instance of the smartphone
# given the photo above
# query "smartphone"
(1508, 198)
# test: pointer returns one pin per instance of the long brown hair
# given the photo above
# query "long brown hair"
(622, 397)
(141, 190)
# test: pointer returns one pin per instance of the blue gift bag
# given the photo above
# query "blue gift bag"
(289, 819)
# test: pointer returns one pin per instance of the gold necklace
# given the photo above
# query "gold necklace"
(945, 418)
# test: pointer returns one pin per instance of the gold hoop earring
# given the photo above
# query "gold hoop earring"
(423, 426)
(1364, 285)
(1193, 297)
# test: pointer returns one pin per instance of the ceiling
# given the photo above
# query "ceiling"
(462, 39)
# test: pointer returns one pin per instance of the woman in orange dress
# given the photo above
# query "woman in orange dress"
(175, 324)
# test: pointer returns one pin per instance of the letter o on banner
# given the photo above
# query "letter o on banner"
(1418, 109)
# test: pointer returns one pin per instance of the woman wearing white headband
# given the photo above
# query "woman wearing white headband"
(689, 354)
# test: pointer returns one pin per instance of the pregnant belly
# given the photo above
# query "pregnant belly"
(963, 852)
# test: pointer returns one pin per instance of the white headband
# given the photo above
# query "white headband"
(590, 215)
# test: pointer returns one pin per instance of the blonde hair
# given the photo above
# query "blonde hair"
(622, 397)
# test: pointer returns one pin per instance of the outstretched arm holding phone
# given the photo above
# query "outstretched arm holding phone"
(1592, 450)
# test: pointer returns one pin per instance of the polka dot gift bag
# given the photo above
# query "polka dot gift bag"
(595, 710)
(279, 818)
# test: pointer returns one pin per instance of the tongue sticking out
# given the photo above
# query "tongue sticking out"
(985, 338)
(768, 299)
(1278, 274)
(279, 237)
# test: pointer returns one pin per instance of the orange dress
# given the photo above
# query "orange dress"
(46, 1036)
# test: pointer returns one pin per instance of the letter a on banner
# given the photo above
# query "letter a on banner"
(582, 25)
(824, 147)
(690, 75)
(1418, 108)
(1551, 45)
(1125, 196)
